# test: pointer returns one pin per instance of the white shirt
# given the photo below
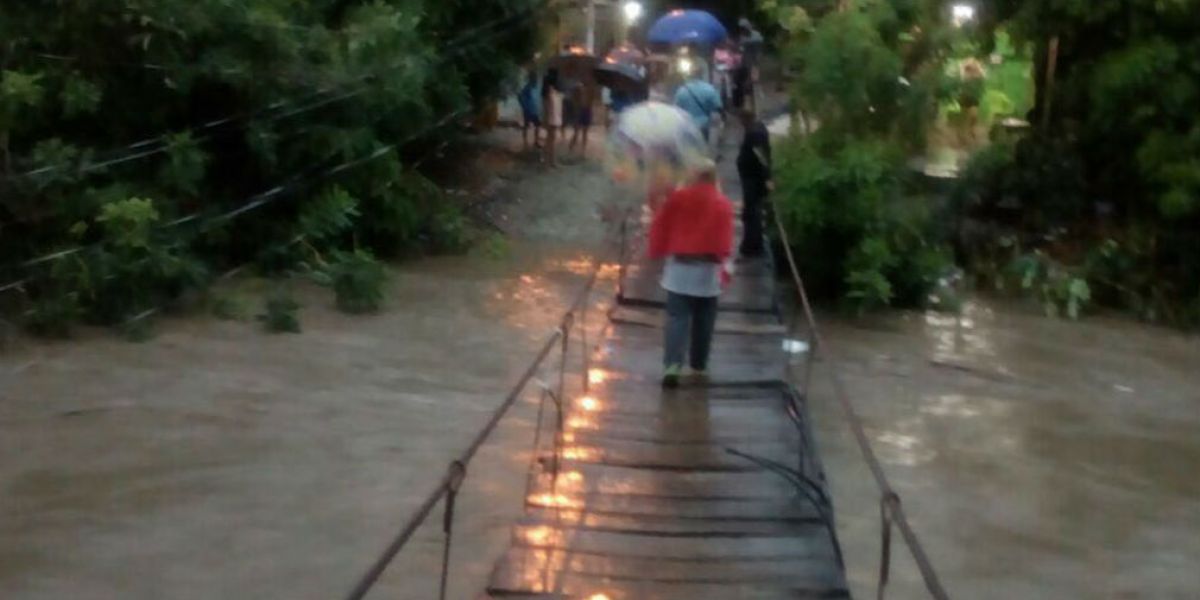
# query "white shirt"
(698, 278)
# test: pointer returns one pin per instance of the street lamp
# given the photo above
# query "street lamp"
(633, 11)
(962, 13)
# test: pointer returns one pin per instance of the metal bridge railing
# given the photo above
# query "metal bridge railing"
(446, 489)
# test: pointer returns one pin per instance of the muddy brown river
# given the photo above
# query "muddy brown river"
(1037, 458)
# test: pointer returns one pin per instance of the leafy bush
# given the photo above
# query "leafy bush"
(229, 306)
(282, 312)
(1059, 290)
(53, 316)
(358, 280)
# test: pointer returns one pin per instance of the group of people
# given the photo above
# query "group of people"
(692, 230)
(553, 105)
(735, 78)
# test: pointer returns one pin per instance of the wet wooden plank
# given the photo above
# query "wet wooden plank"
(609, 479)
(815, 543)
(525, 564)
(679, 593)
(734, 322)
(727, 432)
(636, 353)
(592, 585)
(642, 455)
(547, 495)
(669, 525)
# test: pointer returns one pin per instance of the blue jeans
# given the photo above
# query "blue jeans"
(694, 315)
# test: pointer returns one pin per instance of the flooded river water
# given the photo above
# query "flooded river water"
(1037, 458)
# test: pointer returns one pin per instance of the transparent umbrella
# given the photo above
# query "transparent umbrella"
(653, 147)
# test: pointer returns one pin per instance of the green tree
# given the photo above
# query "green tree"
(231, 100)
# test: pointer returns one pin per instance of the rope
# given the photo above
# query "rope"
(890, 505)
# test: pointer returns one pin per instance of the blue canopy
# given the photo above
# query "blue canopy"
(688, 27)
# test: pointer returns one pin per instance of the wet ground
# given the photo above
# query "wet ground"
(1038, 459)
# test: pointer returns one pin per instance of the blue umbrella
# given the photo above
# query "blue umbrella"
(688, 27)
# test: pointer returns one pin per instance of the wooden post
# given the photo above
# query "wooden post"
(1051, 68)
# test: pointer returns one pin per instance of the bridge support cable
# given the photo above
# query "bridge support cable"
(891, 507)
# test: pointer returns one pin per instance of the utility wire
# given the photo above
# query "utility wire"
(261, 199)
(162, 143)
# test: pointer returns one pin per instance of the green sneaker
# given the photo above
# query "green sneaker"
(670, 378)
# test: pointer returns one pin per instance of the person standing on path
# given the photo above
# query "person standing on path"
(701, 101)
(754, 169)
(693, 231)
(583, 99)
(531, 110)
(552, 114)
(746, 76)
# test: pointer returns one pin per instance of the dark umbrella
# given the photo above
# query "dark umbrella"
(625, 55)
(621, 78)
(688, 27)
(574, 66)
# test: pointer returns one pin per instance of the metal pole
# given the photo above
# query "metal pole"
(458, 472)
(590, 10)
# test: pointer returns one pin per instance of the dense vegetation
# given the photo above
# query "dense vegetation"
(1109, 182)
(1096, 202)
(873, 90)
(147, 146)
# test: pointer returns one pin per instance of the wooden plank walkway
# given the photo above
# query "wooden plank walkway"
(681, 494)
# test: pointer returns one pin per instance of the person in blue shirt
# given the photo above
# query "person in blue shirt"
(700, 100)
(531, 109)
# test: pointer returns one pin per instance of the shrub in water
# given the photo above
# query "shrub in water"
(281, 314)
(358, 280)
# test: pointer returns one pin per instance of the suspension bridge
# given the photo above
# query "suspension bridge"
(713, 490)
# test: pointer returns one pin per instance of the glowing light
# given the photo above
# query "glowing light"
(540, 535)
(598, 597)
(962, 13)
(597, 376)
(579, 423)
(573, 476)
(551, 500)
(589, 404)
(686, 65)
(633, 11)
(568, 438)
(576, 454)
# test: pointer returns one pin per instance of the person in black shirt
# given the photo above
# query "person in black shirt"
(754, 169)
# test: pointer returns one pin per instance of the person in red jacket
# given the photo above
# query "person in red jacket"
(693, 231)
